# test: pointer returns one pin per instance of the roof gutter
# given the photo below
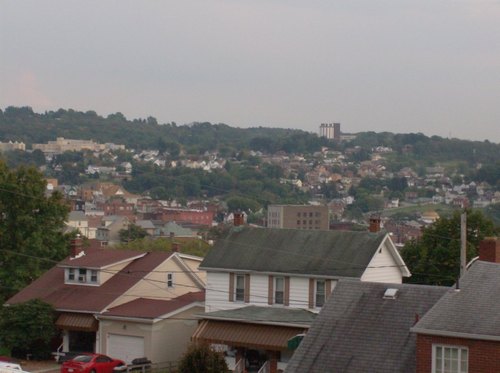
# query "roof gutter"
(445, 333)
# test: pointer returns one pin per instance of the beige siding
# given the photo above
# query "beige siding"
(126, 328)
(164, 341)
(193, 266)
(383, 268)
(109, 272)
(154, 285)
(171, 337)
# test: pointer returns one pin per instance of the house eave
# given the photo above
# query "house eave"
(246, 321)
(446, 333)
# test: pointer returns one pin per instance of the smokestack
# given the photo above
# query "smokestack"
(76, 246)
(239, 218)
(489, 250)
(374, 224)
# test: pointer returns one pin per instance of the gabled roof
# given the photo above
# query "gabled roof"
(50, 287)
(359, 331)
(144, 308)
(100, 258)
(471, 312)
(293, 251)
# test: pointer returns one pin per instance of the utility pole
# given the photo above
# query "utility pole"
(463, 243)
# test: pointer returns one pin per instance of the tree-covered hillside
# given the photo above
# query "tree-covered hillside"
(22, 124)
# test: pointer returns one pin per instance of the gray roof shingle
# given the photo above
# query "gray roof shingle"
(473, 311)
(314, 252)
(264, 315)
(360, 331)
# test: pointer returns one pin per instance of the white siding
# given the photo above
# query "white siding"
(259, 290)
(299, 292)
(217, 292)
(383, 268)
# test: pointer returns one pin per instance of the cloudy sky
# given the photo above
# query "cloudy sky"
(430, 66)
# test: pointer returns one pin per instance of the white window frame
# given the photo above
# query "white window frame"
(239, 292)
(170, 279)
(279, 295)
(94, 276)
(439, 358)
(316, 293)
(71, 274)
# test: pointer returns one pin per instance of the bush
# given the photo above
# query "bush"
(201, 358)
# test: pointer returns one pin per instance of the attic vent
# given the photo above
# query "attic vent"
(390, 293)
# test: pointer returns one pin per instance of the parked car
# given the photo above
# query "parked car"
(91, 363)
(9, 367)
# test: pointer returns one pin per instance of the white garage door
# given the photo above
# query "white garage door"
(125, 347)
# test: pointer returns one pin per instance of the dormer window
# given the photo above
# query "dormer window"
(82, 276)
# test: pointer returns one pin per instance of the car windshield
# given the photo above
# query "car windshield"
(83, 358)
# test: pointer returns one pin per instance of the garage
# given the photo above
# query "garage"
(125, 347)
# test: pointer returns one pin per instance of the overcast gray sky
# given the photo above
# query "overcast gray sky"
(430, 66)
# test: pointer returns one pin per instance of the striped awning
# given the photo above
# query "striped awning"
(238, 334)
(77, 321)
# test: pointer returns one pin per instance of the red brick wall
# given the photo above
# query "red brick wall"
(484, 356)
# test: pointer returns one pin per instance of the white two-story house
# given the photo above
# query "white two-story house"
(265, 286)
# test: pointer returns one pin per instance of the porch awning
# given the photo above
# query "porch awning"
(77, 321)
(238, 334)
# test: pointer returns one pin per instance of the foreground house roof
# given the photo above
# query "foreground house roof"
(360, 330)
(143, 308)
(293, 251)
(253, 327)
(51, 287)
(471, 312)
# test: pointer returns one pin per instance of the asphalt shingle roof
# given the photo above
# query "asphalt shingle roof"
(327, 253)
(265, 315)
(50, 287)
(474, 310)
(154, 308)
(360, 331)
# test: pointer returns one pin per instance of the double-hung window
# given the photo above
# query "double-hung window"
(279, 290)
(450, 359)
(239, 288)
(170, 280)
(71, 274)
(320, 292)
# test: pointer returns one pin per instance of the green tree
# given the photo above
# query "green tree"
(435, 258)
(27, 328)
(201, 358)
(132, 233)
(31, 237)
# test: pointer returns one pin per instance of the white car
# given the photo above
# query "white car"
(6, 367)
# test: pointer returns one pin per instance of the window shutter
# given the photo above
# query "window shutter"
(311, 293)
(328, 288)
(287, 291)
(231, 287)
(270, 292)
(247, 288)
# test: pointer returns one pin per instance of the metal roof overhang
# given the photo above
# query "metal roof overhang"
(237, 334)
(78, 322)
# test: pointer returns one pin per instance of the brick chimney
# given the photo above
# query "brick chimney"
(239, 218)
(175, 247)
(76, 246)
(374, 224)
(489, 250)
